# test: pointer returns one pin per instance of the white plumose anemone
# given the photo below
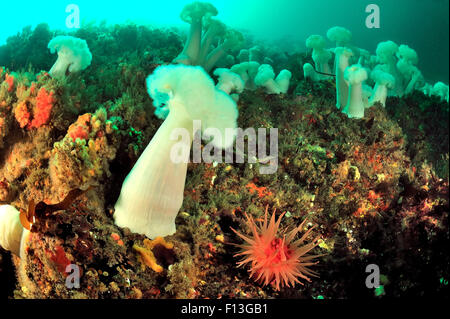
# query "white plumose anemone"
(10, 229)
(152, 193)
(342, 58)
(73, 55)
(383, 82)
(266, 79)
(355, 75)
(229, 81)
(310, 73)
(340, 35)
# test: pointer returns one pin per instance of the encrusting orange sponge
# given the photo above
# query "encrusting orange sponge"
(146, 254)
(43, 109)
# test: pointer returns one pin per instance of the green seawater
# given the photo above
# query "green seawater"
(423, 25)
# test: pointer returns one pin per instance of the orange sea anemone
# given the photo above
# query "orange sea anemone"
(277, 258)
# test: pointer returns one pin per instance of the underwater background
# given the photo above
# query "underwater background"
(362, 177)
(423, 25)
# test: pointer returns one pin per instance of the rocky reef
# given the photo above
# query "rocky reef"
(377, 188)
